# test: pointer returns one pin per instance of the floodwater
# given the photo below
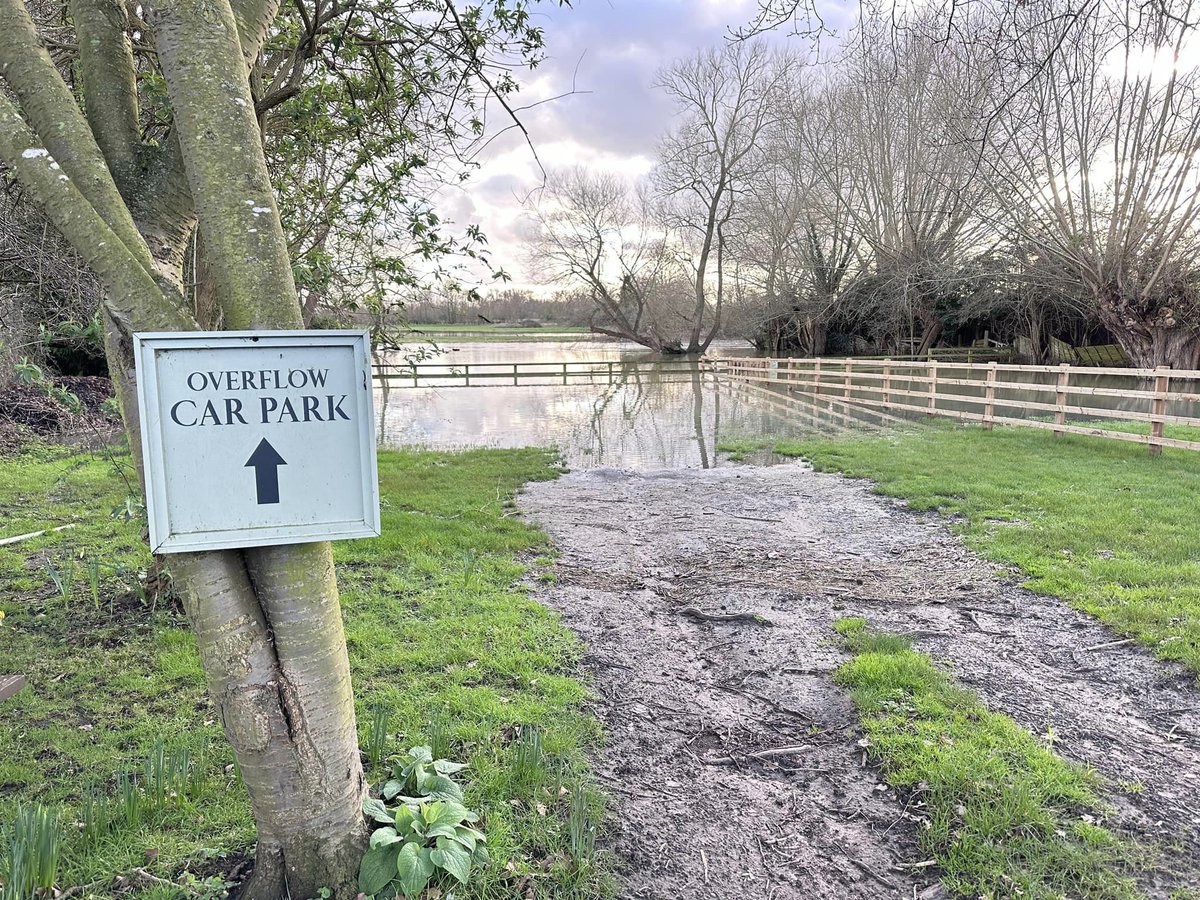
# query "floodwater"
(642, 419)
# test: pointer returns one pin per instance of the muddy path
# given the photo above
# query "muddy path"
(685, 701)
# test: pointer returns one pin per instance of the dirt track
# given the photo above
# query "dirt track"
(683, 701)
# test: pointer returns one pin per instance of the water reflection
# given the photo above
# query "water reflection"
(642, 419)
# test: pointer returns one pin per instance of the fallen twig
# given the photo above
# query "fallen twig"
(975, 620)
(701, 616)
(771, 753)
(867, 870)
(24, 537)
(1106, 646)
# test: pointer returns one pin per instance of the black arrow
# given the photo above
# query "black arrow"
(266, 461)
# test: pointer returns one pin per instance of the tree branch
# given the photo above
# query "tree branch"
(223, 159)
(109, 86)
(57, 120)
(132, 297)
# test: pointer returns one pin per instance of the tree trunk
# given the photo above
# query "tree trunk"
(929, 337)
(1149, 332)
(1152, 346)
(268, 620)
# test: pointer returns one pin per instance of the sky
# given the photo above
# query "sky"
(610, 51)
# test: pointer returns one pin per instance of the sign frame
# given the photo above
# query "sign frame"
(162, 538)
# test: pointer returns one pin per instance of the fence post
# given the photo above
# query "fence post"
(610, 371)
(846, 394)
(467, 375)
(989, 397)
(564, 373)
(817, 377)
(933, 366)
(514, 373)
(1060, 397)
(887, 384)
(1162, 379)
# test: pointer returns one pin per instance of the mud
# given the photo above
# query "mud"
(685, 703)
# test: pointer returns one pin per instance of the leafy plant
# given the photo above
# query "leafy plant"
(97, 815)
(63, 576)
(31, 852)
(31, 374)
(129, 799)
(419, 840)
(431, 832)
(417, 775)
(93, 576)
(471, 562)
(28, 373)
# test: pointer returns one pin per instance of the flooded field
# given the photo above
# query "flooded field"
(641, 418)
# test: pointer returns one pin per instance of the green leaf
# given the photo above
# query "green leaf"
(383, 836)
(468, 837)
(440, 831)
(445, 812)
(374, 809)
(423, 753)
(439, 787)
(405, 816)
(391, 789)
(415, 868)
(377, 869)
(480, 856)
(446, 767)
(453, 858)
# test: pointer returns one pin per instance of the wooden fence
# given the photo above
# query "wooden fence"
(602, 371)
(1046, 397)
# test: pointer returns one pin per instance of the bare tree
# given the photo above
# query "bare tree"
(598, 232)
(1098, 149)
(896, 152)
(723, 101)
(796, 233)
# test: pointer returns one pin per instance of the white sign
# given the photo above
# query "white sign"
(257, 438)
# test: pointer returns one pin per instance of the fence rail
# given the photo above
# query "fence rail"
(1045, 397)
(601, 371)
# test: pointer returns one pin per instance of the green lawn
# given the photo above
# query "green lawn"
(1004, 816)
(445, 647)
(1099, 523)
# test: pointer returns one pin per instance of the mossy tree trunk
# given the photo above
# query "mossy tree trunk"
(268, 620)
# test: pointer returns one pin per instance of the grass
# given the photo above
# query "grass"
(1099, 523)
(445, 647)
(1005, 816)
